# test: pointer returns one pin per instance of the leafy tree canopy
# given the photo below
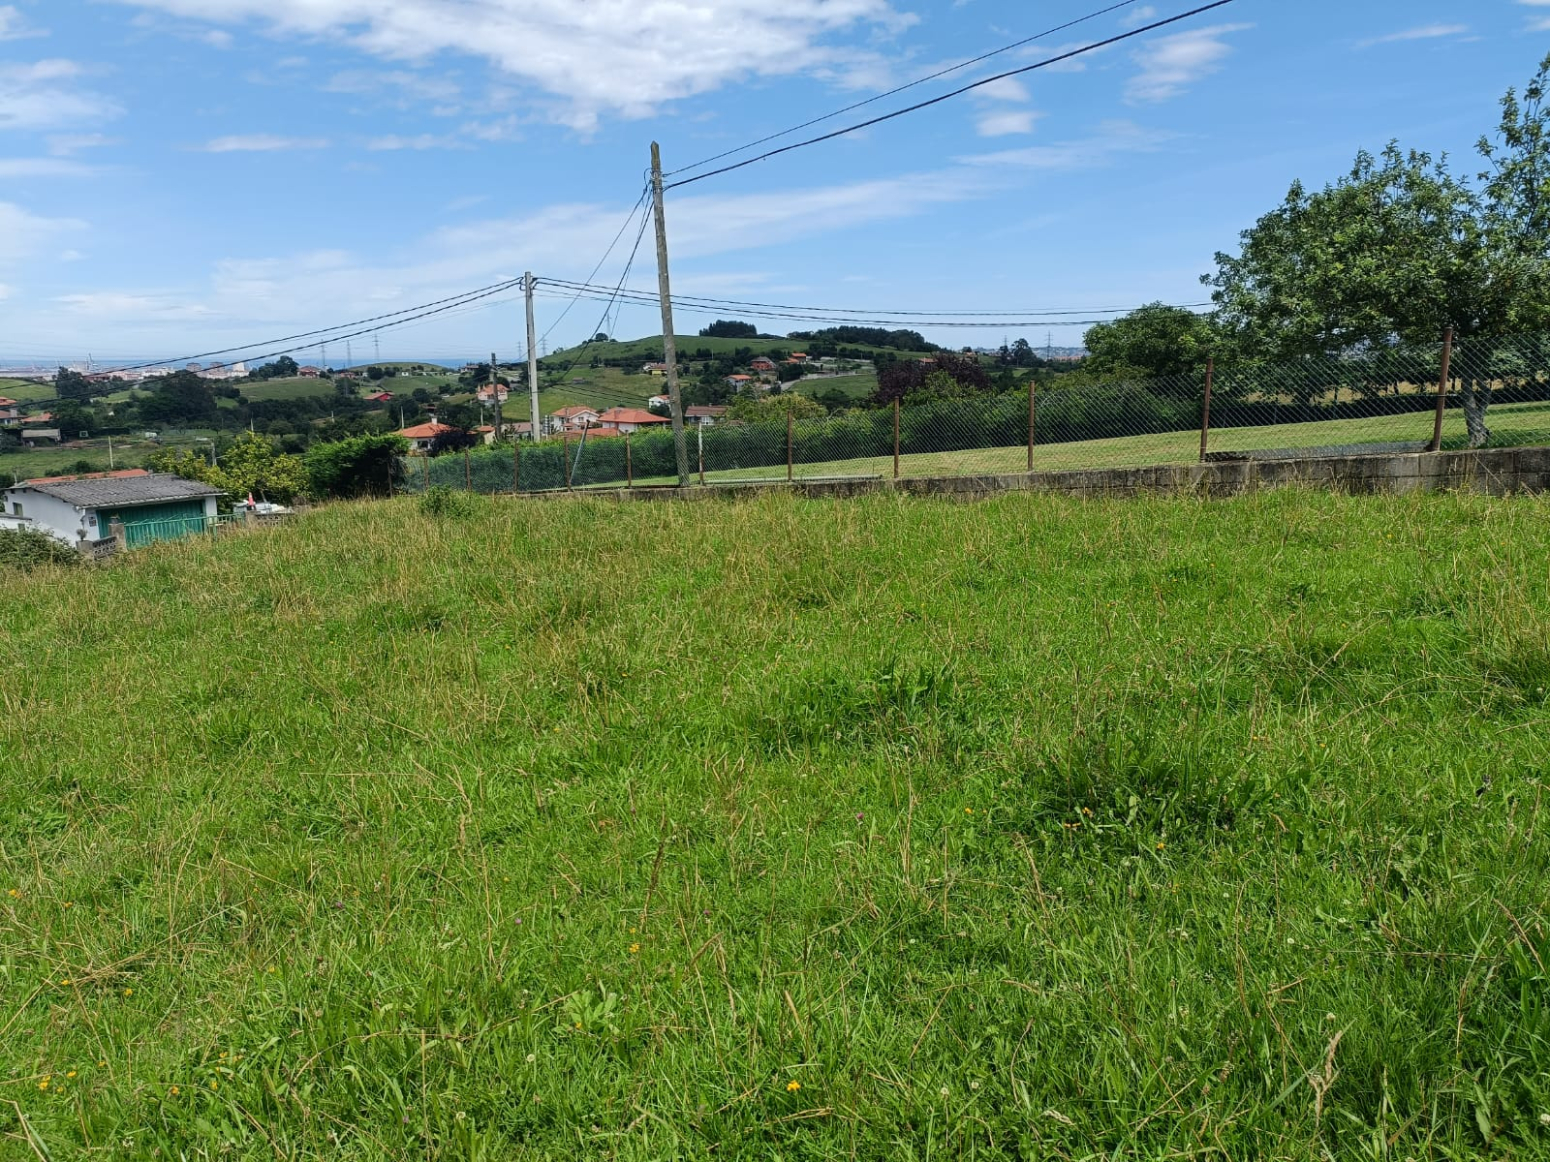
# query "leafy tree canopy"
(1153, 341)
(358, 466)
(753, 409)
(730, 329)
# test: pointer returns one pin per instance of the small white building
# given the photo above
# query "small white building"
(80, 510)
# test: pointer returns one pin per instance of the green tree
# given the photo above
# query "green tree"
(252, 465)
(730, 329)
(1153, 341)
(754, 409)
(368, 465)
(179, 398)
(72, 385)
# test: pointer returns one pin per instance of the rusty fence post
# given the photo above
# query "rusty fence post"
(565, 452)
(789, 454)
(1442, 390)
(629, 464)
(516, 464)
(699, 432)
(425, 471)
(468, 472)
(1033, 417)
(1205, 410)
(896, 437)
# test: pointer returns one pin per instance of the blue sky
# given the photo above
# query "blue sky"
(177, 175)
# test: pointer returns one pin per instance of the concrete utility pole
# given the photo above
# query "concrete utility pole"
(532, 361)
(495, 396)
(669, 342)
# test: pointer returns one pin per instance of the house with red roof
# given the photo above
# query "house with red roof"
(422, 436)
(629, 420)
(380, 397)
(571, 419)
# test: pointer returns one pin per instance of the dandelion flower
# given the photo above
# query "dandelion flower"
(174, 1091)
(793, 1086)
(102, 1065)
(634, 948)
(129, 992)
(1161, 845)
(70, 1074)
(214, 1084)
(65, 983)
(68, 904)
(968, 810)
(44, 1083)
(14, 894)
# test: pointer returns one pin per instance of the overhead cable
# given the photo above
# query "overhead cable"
(902, 88)
(1054, 60)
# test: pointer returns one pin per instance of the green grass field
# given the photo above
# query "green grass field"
(783, 829)
(1512, 424)
(25, 390)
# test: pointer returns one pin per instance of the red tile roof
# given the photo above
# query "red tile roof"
(573, 411)
(631, 416)
(425, 431)
(121, 474)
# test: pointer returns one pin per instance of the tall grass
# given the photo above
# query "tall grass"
(785, 829)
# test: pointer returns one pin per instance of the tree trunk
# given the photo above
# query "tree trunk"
(1477, 398)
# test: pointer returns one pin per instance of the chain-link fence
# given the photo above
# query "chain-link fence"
(1497, 392)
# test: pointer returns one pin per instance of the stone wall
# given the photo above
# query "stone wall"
(1497, 471)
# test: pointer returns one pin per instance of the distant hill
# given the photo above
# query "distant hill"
(650, 348)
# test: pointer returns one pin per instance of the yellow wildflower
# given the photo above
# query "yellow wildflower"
(793, 1086)
(70, 1074)
(635, 948)
(44, 1083)
(174, 1091)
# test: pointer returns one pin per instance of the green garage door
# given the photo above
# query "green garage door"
(149, 523)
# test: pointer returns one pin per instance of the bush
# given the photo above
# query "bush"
(359, 466)
(441, 501)
(26, 549)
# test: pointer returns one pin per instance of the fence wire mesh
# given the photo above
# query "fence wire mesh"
(1497, 394)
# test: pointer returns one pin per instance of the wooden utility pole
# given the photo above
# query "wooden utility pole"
(495, 396)
(669, 342)
(532, 360)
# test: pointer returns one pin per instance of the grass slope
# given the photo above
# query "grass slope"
(868, 830)
(1511, 425)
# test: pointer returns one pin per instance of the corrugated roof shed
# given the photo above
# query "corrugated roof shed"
(153, 488)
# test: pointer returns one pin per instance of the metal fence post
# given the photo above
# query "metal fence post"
(565, 452)
(629, 463)
(468, 472)
(1442, 390)
(1205, 410)
(1032, 420)
(516, 464)
(789, 456)
(896, 437)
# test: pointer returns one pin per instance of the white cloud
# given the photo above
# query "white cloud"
(1172, 64)
(1424, 32)
(1139, 15)
(1537, 23)
(13, 27)
(43, 167)
(24, 234)
(620, 56)
(1113, 139)
(5, 292)
(150, 307)
(42, 95)
(261, 143)
(1002, 124)
(1006, 89)
(393, 141)
(66, 144)
(410, 87)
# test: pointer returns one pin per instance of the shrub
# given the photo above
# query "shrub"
(441, 501)
(26, 549)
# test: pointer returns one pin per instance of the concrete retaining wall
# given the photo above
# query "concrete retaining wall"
(1497, 471)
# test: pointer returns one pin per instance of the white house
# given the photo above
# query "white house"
(80, 510)
(422, 436)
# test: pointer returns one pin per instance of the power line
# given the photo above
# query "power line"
(456, 300)
(642, 299)
(1034, 312)
(912, 84)
(641, 201)
(1054, 60)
